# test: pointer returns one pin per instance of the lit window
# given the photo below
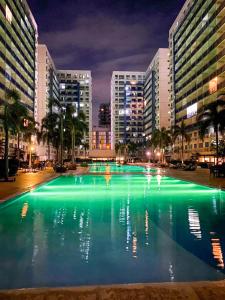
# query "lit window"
(62, 86)
(8, 14)
(192, 110)
(213, 85)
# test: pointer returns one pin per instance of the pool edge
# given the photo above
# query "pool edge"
(25, 191)
(181, 290)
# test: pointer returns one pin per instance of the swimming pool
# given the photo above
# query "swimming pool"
(86, 230)
(116, 168)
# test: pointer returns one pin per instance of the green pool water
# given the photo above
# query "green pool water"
(117, 168)
(88, 230)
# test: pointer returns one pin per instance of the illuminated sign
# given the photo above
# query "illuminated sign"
(192, 110)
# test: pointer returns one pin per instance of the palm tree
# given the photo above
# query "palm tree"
(21, 116)
(14, 112)
(161, 139)
(118, 147)
(213, 115)
(50, 123)
(75, 125)
(132, 148)
(181, 132)
(86, 147)
(31, 130)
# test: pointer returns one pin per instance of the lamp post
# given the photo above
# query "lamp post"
(30, 156)
(32, 139)
(61, 135)
(158, 154)
(148, 154)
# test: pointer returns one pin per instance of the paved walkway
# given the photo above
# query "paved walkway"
(24, 181)
(200, 176)
(164, 291)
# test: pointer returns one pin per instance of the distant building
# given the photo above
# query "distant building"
(47, 88)
(101, 138)
(197, 68)
(104, 116)
(76, 89)
(156, 93)
(127, 107)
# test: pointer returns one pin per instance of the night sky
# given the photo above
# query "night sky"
(104, 35)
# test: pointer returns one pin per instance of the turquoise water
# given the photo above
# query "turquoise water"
(112, 229)
(116, 168)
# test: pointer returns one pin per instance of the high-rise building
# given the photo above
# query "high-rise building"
(104, 116)
(156, 93)
(47, 88)
(76, 89)
(18, 41)
(127, 107)
(197, 66)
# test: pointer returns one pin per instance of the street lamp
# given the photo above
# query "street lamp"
(30, 156)
(148, 153)
(62, 117)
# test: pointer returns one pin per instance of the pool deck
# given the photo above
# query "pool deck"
(29, 180)
(24, 182)
(161, 291)
(200, 176)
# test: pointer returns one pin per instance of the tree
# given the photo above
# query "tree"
(132, 148)
(161, 139)
(31, 130)
(21, 117)
(75, 126)
(213, 115)
(86, 147)
(14, 113)
(118, 147)
(50, 124)
(181, 132)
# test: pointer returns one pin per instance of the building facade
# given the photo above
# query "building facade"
(127, 107)
(197, 66)
(18, 56)
(101, 138)
(156, 94)
(76, 88)
(104, 115)
(47, 88)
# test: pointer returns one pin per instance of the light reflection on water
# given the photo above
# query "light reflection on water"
(112, 229)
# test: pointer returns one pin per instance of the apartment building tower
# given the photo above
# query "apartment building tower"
(127, 107)
(18, 56)
(47, 89)
(197, 66)
(156, 94)
(75, 87)
(104, 115)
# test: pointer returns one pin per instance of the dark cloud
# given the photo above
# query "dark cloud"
(104, 35)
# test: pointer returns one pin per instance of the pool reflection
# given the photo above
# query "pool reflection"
(112, 229)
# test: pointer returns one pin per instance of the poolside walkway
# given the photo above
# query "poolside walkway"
(24, 181)
(200, 176)
(164, 291)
